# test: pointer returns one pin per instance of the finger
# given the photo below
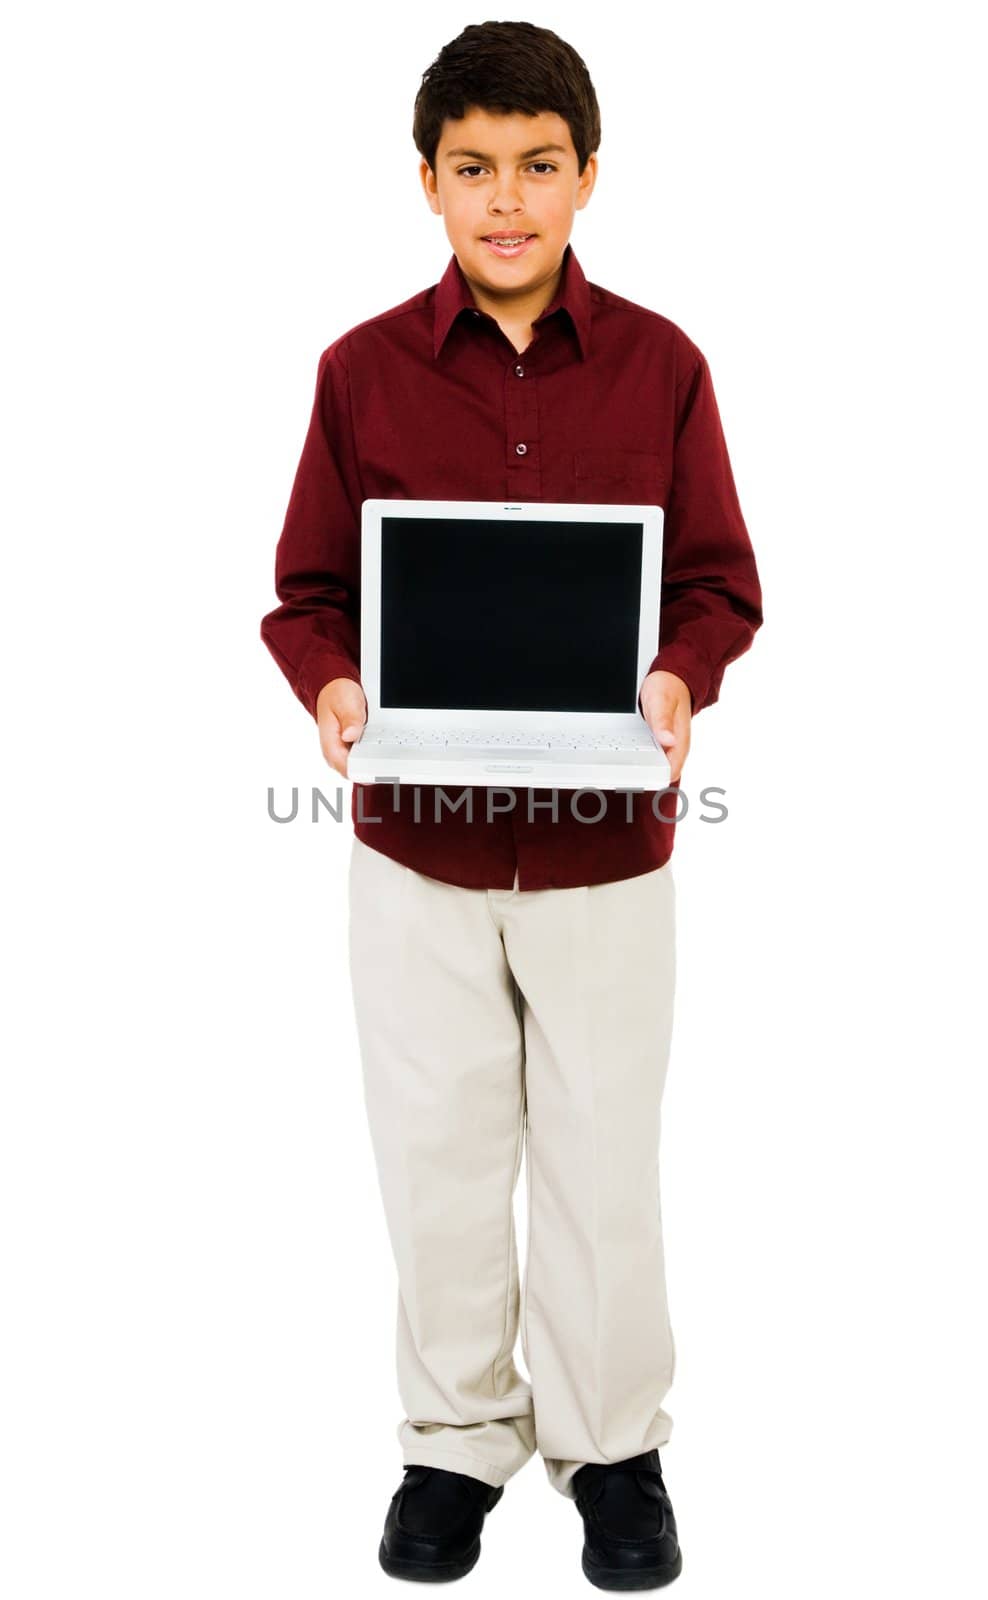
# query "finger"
(674, 756)
(660, 708)
(669, 743)
(668, 718)
(670, 735)
(333, 748)
(679, 750)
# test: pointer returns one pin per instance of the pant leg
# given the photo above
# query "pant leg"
(596, 966)
(442, 1048)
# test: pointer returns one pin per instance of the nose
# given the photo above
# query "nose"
(506, 197)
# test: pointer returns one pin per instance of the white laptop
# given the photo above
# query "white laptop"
(505, 645)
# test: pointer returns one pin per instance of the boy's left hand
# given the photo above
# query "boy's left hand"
(667, 707)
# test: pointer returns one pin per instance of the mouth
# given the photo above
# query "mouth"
(508, 245)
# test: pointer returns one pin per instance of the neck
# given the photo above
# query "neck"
(517, 308)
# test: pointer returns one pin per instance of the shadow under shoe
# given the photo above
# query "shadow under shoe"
(433, 1526)
(630, 1535)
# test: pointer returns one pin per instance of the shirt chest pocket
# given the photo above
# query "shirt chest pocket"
(633, 475)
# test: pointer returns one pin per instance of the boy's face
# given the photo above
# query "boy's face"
(505, 174)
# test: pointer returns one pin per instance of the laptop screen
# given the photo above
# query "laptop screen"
(485, 614)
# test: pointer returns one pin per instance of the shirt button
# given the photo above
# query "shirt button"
(519, 372)
(521, 449)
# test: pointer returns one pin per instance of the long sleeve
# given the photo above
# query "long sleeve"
(314, 634)
(711, 596)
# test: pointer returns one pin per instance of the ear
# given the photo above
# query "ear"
(587, 179)
(430, 187)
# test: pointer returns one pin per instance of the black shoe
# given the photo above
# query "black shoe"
(630, 1531)
(432, 1532)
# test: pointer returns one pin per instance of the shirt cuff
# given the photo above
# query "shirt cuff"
(319, 669)
(687, 665)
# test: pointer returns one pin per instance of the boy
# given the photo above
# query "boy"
(513, 971)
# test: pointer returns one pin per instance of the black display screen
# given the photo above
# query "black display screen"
(478, 614)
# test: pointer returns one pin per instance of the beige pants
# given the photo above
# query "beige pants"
(485, 1018)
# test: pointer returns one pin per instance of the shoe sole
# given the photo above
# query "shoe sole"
(435, 1571)
(626, 1578)
(429, 1571)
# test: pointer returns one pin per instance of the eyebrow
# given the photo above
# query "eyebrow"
(526, 155)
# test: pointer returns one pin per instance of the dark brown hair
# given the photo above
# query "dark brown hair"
(505, 67)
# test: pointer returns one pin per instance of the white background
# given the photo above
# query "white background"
(198, 1392)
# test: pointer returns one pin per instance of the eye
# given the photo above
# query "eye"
(465, 171)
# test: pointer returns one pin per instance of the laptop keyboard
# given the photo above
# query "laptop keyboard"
(482, 739)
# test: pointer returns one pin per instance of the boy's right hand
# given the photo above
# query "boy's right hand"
(341, 711)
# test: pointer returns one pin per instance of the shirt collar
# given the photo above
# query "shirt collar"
(453, 296)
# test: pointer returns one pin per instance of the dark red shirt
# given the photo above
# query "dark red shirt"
(430, 400)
